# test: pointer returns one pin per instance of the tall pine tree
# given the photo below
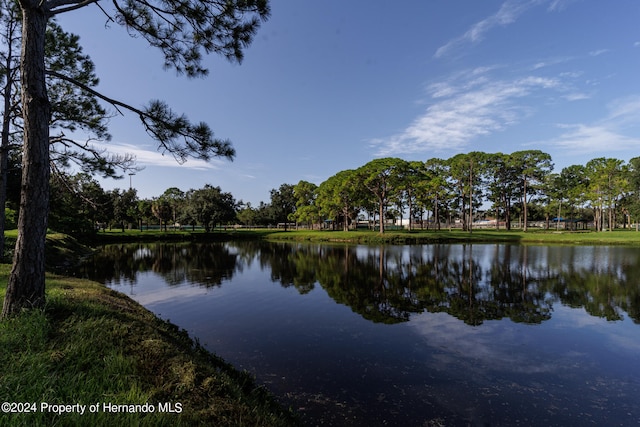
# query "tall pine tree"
(183, 30)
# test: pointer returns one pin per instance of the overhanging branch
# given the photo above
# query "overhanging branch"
(74, 4)
(175, 134)
(84, 87)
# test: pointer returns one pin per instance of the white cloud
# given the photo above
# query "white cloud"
(148, 157)
(624, 111)
(550, 62)
(587, 139)
(576, 96)
(508, 13)
(605, 135)
(464, 110)
(559, 5)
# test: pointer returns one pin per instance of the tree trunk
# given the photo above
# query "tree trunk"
(611, 221)
(507, 213)
(464, 210)
(410, 206)
(26, 282)
(524, 205)
(11, 71)
(471, 198)
(4, 147)
(345, 223)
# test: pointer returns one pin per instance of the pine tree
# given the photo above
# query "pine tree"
(183, 30)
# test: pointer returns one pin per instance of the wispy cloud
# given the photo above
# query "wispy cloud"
(624, 111)
(604, 135)
(464, 109)
(552, 62)
(576, 96)
(150, 157)
(559, 5)
(592, 138)
(598, 52)
(508, 13)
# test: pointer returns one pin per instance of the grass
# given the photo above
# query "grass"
(533, 236)
(617, 237)
(62, 249)
(91, 345)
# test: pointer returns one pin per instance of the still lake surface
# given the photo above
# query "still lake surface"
(420, 335)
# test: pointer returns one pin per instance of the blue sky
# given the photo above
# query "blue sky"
(331, 85)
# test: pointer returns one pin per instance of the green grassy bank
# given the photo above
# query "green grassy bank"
(616, 237)
(94, 346)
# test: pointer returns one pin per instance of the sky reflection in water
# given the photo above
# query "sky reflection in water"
(408, 335)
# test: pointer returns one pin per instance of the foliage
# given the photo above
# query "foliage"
(161, 209)
(77, 203)
(124, 207)
(307, 209)
(467, 172)
(502, 185)
(382, 178)
(532, 166)
(283, 204)
(339, 198)
(210, 206)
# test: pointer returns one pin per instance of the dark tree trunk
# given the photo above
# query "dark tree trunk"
(4, 146)
(26, 282)
(10, 76)
(507, 213)
(524, 205)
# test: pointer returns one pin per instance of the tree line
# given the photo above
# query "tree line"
(498, 189)
(602, 194)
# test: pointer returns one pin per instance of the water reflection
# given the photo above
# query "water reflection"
(361, 335)
(205, 265)
(388, 284)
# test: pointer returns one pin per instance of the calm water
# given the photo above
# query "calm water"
(424, 335)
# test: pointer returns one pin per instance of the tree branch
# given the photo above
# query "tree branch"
(166, 127)
(51, 5)
(111, 101)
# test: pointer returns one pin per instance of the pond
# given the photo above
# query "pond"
(421, 335)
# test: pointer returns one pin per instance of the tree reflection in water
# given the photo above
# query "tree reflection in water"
(413, 353)
(387, 284)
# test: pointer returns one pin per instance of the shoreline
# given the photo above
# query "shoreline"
(553, 237)
(95, 349)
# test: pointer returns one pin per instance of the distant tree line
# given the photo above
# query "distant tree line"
(520, 186)
(508, 189)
